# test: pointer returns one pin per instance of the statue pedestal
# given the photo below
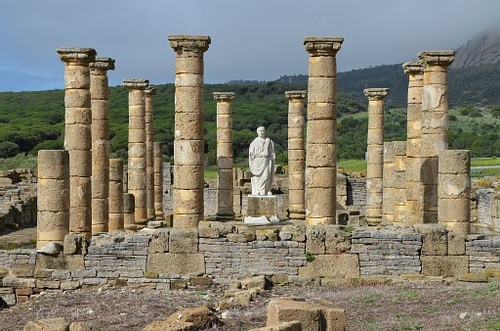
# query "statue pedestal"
(261, 209)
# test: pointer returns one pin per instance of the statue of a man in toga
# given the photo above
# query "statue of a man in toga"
(261, 159)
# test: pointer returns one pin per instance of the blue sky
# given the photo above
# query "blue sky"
(258, 39)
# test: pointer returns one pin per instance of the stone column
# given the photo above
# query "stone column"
(129, 212)
(321, 158)
(296, 164)
(225, 210)
(399, 183)
(188, 144)
(375, 156)
(77, 135)
(137, 147)
(116, 221)
(53, 197)
(150, 158)
(434, 124)
(158, 181)
(414, 189)
(388, 189)
(454, 190)
(100, 142)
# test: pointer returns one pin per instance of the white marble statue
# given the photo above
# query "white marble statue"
(261, 159)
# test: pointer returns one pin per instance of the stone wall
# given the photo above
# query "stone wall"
(17, 198)
(217, 252)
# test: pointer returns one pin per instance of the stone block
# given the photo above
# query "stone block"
(315, 242)
(183, 241)
(200, 280)
(75, 244)
(169, 263)
(259, 282)
(18, 282)
(159, 241)
(434, 239)
(178, 284)
(50, 324)
(333, 266)
(281, 326)
(51, 284)
(23, 272)
(313, 314)
(456, 243)
(444, 265)
(79, 326)
(60, 261)
(337, 240)
(262, 206)
(24, 291)
(9, 299)
(70, 285)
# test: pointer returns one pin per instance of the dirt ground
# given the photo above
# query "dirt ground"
(412, 306)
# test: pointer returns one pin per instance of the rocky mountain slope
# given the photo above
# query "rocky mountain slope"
(483, 48)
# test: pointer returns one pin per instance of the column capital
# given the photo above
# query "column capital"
(102, 63)
(375, 94)
(413, 68)
(80, 55)
(323, 46)
(182, 43)
(436, 58)
(222, 96)
(136, 83)
(151, 90)
(296, 94)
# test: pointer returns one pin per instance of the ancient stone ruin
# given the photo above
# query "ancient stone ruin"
(410, 219)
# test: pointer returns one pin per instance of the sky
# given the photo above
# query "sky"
(251, 39)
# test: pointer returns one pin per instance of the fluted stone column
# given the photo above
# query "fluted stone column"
(116, 221)
(388, 185)
(188, 144)
(100, 142)
(53, 197)
(150, 158)
(296, 164)
(321, 158)
(375, 155)
(399, 183)
(434, 123)
(454, 190)
(414, 189)
(77, 135)
(137, 182)
(158, 181)
(224, 156)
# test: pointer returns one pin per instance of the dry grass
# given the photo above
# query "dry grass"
(411, 306)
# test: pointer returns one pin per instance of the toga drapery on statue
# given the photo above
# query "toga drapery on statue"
(261, 160)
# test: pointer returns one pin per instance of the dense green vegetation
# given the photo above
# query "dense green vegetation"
(30, 121)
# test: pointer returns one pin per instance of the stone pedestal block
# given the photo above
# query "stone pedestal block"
(261, 209)
(313, 314)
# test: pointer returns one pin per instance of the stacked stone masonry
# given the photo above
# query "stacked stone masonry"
(218, 252)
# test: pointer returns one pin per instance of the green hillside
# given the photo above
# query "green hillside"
(30, 121)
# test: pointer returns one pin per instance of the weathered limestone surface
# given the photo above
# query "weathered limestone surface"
(296, 164)
(321, 160)
(171, 263)
(332, 266)
(313, 313)
(100, 142)
(434, 123)
(454, 190)
(137, 177)
(414, 190)
(129, 212)
(188, 145)
(375, 157)
(116, 219)
(399, 183)
(158, 181)
(53, 197)
(150, 203)
(77, 134)
(224, 156)
(389, 189)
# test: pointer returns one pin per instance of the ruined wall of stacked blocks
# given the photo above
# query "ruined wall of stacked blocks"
(410, 218)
